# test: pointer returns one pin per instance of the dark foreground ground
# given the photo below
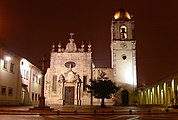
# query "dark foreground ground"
(89, 113)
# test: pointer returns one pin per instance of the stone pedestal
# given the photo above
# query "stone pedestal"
(41, 105)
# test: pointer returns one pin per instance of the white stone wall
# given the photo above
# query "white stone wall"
(82, 68)
(124, 70)
(123, 57)
(30, 77)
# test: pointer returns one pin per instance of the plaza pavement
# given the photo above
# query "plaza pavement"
(88, 110)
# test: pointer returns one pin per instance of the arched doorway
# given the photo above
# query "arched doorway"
(125, 97)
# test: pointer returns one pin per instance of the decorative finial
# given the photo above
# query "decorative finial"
(82, 47)
(53, 47)
(89, 47)
(71, 46)
(71, 35)
(59, 47)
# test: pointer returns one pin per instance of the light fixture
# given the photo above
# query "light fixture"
(7, 58)
(39, 76)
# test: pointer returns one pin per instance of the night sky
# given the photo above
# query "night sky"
(29, 27)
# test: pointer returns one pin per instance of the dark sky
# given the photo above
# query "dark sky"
(28, 27)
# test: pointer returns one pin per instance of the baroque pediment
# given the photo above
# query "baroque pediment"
(70, 76)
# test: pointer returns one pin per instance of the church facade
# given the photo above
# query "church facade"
(68, 75)
(71, 68)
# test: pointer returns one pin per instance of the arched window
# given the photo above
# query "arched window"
(123, 32)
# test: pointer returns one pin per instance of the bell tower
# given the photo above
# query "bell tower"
(123, 54)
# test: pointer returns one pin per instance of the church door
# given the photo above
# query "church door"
(69, 96)
(125, 97)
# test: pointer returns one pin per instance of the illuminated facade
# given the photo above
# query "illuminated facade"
(71, 68)
(9, 78)
(16, 80)
(163, 92)
(68, 75)
(31, 83)
(123, 55)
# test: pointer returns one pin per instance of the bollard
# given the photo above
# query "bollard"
(112, 111)
(130, 111)
(149, 111)
(57, 112)
(94, 111)
(167, 110)
(75, 111)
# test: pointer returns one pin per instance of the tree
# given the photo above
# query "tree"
(102, 88)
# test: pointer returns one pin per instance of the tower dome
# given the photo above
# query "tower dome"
(122, 14)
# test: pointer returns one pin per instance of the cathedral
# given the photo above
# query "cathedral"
(71, 68)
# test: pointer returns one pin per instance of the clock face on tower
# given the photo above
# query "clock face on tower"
(123, 45)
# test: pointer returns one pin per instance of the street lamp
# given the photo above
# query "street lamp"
(7, 58)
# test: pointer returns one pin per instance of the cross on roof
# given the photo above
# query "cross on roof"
(71, 35)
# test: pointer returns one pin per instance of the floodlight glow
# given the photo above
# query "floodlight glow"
(127, 15)
(7, 58)
(130, 76)
(117, 15)
(24, 66)
(39, 76)
(172, 83)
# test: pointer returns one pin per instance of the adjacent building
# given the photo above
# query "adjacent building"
(30, 78)
(9, 78)
(162, 92)
(19, 80)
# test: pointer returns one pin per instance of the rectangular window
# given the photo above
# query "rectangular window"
(10, 91)
(32, 96)
(3, 90)
(12, 68)
(34, 78)
(84, 82)
(54, 83)
(24, 72)
(21, 73)
(5, 64)
(27, 74)
(36, 95)
(37, 79)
